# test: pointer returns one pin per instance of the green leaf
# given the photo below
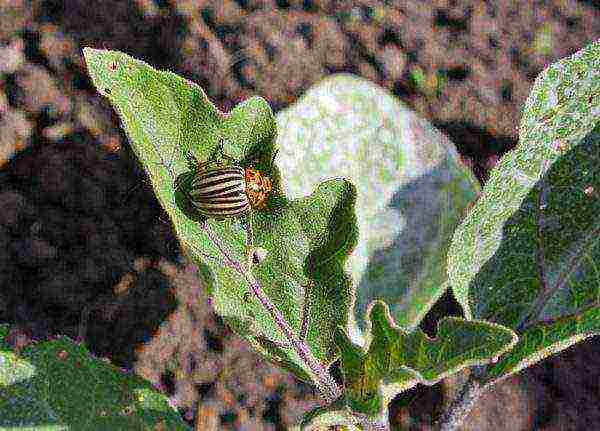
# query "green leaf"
(324, 417)
(527, 255)
(307, 239)
(57, 385)
(395, 360)
(411, 188)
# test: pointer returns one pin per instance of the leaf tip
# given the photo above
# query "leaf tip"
(101, 66)
(91, 55)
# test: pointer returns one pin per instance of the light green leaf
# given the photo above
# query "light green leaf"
(396, 359)
(57, 385)
(411, 188)
(527, 255)
(307, 240)
(324, 417)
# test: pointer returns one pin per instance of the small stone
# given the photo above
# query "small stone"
(57, 131)
(15, 130)
(11, 56)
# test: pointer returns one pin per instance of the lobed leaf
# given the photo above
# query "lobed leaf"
(527, 255)
(307, 239)
(58, 385)
(395, 359)
(324, 417)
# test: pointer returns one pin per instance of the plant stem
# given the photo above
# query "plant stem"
(327, 386)
(462, 405)
(325, 382)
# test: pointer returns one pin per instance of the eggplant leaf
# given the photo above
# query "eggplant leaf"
(307, 240)
(58, 385)
(412, 189)
(527, 255)
(395, 360)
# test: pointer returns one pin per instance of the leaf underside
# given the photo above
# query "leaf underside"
(527, 255)
(411, 188)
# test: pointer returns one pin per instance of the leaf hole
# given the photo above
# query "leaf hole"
(259, 255)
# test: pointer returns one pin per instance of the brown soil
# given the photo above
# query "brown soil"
(70, 235)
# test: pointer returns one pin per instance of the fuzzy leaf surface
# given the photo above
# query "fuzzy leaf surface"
(307, 239)
(527, 256)
(396, 359)
(324, 417)
(58, 385)
(412, 189)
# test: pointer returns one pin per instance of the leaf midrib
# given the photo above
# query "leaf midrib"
(547, 292)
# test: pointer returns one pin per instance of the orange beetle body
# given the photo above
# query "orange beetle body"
(258, 187)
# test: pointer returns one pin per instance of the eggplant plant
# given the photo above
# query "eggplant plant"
(325, 235)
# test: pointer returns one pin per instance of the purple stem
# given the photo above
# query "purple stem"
(327, 385)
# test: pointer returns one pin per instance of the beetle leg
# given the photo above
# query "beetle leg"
(192, 162)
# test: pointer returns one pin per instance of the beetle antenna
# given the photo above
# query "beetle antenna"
(192, 161)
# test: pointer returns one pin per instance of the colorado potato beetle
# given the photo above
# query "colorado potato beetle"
(220, 188)
(222, 191)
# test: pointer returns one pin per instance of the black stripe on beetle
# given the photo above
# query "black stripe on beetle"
(218, 180)
(220, 192)
(216, 175)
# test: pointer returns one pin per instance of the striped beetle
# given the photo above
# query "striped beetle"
(224, 190)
